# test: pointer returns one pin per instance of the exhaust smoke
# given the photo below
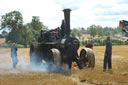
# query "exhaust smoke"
(24, 66)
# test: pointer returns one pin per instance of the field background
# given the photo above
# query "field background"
(25, 75)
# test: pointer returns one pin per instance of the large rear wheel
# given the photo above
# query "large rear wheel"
(56, 58)
(35, 54)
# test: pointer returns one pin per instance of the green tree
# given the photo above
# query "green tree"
(36, 26)
(76, 32)
(19, 33)
(99, 30)
(92, 30)
(108, 31)
(26, 33)
(12, 21)
(117, 30)
(82, 30)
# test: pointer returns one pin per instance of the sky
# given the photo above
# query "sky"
(84, 12)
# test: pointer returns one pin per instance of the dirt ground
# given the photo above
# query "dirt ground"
(24, 74)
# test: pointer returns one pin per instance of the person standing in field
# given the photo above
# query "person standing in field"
(14, 55)
(108, 55)
(71, 53)
(89, 44)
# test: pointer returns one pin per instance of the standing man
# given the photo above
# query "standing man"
(14, 55)
(62, 30)
(71, 53)
(89, 44)
(107, 55)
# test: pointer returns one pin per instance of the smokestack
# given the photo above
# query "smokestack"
(67, 22)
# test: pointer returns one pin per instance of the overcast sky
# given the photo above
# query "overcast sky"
(84, 12)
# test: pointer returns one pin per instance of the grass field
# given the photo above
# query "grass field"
(25, 75)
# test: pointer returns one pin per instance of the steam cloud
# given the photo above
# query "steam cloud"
(24, 66)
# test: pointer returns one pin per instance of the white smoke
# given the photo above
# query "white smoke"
(72, 4)
(24, 66)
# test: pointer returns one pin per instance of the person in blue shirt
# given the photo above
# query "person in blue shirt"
(14, 55)
(108, 55)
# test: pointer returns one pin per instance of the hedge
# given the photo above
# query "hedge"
(101, 42)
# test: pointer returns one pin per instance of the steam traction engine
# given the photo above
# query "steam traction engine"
(52, 46)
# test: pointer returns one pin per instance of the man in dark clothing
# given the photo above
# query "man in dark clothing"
(107, 55)
(89, 44)
(62, 31)
(71, 53)
(14, 55)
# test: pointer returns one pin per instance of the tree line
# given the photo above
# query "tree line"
(98, 30)
(27, 33)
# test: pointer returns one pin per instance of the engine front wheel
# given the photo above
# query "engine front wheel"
(87, 58)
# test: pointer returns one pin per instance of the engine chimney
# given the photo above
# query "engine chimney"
(67, 22)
